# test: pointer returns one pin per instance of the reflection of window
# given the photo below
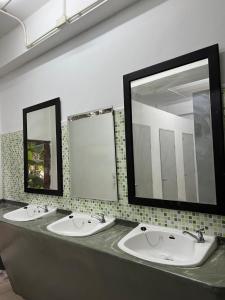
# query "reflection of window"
(38, 153)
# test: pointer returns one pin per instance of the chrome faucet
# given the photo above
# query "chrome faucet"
(199, 237)
(100, 217)
(44, 207)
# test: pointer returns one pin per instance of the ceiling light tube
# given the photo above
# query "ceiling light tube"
(38, 40)
(86, 10)
(170, 72)
(42, 38)
(6, 4)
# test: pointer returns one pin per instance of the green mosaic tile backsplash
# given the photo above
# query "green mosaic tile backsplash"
(12, 189)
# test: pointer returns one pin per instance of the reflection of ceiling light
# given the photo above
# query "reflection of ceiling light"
(169, 73)
(187, 89)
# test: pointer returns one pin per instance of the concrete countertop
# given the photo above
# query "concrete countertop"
(211, 273)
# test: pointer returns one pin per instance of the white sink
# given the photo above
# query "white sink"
(29, 213)
(167, 246)
(79, 224)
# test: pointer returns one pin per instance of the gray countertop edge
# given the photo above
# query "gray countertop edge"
(100, 242)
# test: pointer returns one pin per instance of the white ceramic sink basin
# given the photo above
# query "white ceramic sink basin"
(166, 246)
(79, 225)
(29, 213)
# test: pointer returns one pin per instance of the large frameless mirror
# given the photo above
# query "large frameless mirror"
(174, 133)
(92, 155)
(42, 148)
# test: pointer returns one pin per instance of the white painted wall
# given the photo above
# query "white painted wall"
(157, 119)
(87, 71)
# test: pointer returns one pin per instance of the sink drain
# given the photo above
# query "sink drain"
(169, 258)
(166, 257)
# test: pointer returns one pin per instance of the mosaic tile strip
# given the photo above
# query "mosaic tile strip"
(12, 187)
(1, 179)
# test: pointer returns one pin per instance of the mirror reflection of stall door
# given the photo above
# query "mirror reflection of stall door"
(168, 164)
(204, 147)
(189, 167)
(142, 161)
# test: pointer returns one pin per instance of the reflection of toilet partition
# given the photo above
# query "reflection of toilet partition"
(168, 164)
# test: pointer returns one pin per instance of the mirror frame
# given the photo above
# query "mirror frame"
(212, 54)
(54, 102)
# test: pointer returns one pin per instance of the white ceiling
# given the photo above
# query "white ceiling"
(89, 20)
(172, 89)
(21, 9)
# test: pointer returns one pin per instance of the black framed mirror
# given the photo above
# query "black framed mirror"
(43, 148)
(174, 134)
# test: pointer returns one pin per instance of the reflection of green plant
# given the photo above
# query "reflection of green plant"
(36, 166)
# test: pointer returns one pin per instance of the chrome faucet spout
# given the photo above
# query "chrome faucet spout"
(199, 237)
(44, 207)
(100, 217)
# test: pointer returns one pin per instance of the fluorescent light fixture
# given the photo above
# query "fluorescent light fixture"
(53, 31)
(169, 73)
(4, 3)
(43, 37)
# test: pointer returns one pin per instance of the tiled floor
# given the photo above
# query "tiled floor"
(6, 292)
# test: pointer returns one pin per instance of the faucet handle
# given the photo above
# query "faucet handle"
(100, 217)
(200, 234)
(202, 230)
